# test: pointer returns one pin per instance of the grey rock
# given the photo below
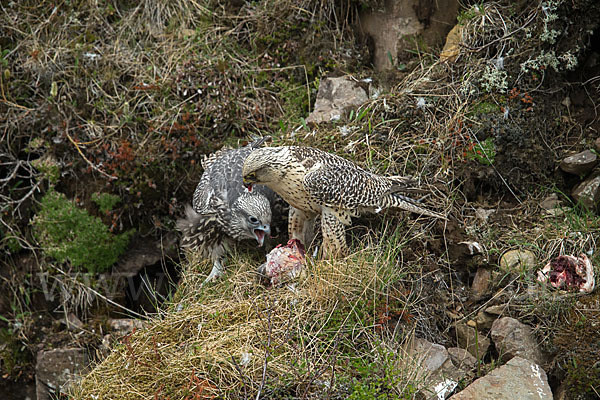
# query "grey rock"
(588, 193)
(437, 374)
(518, 379)
(551, 202)
(335, 99)
(143, 253)
(472, 340)
(580, 163)
(597, 144)
(56, 369)
(516, 261)
(513, 338)
(462, 359)
(72, 322)
(124, 326)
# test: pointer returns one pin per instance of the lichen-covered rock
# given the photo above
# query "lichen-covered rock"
(335, 99)
(580, 163)
(56, 369)
(517, 379)
(587, 193)
(515, 261)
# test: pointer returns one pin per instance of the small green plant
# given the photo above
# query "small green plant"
(14, 355)
(384, 377)
(105, 201)
(68, 233)
(484, 107)
(482, 152)
(472, 12)
(3, 60)
(48, 167)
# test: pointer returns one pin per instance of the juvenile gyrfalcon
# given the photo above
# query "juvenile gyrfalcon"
(316, 183)
(224, 211)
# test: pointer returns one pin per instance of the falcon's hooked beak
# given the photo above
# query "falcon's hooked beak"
(260, 233)
(248, 181)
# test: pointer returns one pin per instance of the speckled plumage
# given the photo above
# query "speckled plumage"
(316, 183)
(223, 212)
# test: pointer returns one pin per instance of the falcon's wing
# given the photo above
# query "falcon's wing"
(221, 182)
(340, 184)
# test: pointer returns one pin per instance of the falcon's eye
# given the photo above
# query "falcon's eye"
(251, 175)
(253, 220)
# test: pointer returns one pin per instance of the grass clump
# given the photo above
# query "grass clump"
(237, 339)
(68, 233)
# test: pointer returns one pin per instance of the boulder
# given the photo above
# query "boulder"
(518, 379)
(472, 340)
(513, 338)
(56, 369)
(437, 373)
(597, 144)
(588, 193)
(580, 163)
(335, 99)
(516, 261)
(399, 20)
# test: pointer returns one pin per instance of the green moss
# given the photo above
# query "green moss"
(68, 233)
(484, 107)
(105, 201)
(383, 377)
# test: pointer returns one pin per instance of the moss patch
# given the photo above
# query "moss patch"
(68, 233)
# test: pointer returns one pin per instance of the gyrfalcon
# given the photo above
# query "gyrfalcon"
(223, 211)
(317, 183)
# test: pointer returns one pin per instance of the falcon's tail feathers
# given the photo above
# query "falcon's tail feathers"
(397, 200)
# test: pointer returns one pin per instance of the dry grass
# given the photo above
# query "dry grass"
(238, 340)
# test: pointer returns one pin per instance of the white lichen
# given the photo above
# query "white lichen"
(494, 80)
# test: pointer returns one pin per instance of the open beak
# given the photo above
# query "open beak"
(247, 185)
(261, 233)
